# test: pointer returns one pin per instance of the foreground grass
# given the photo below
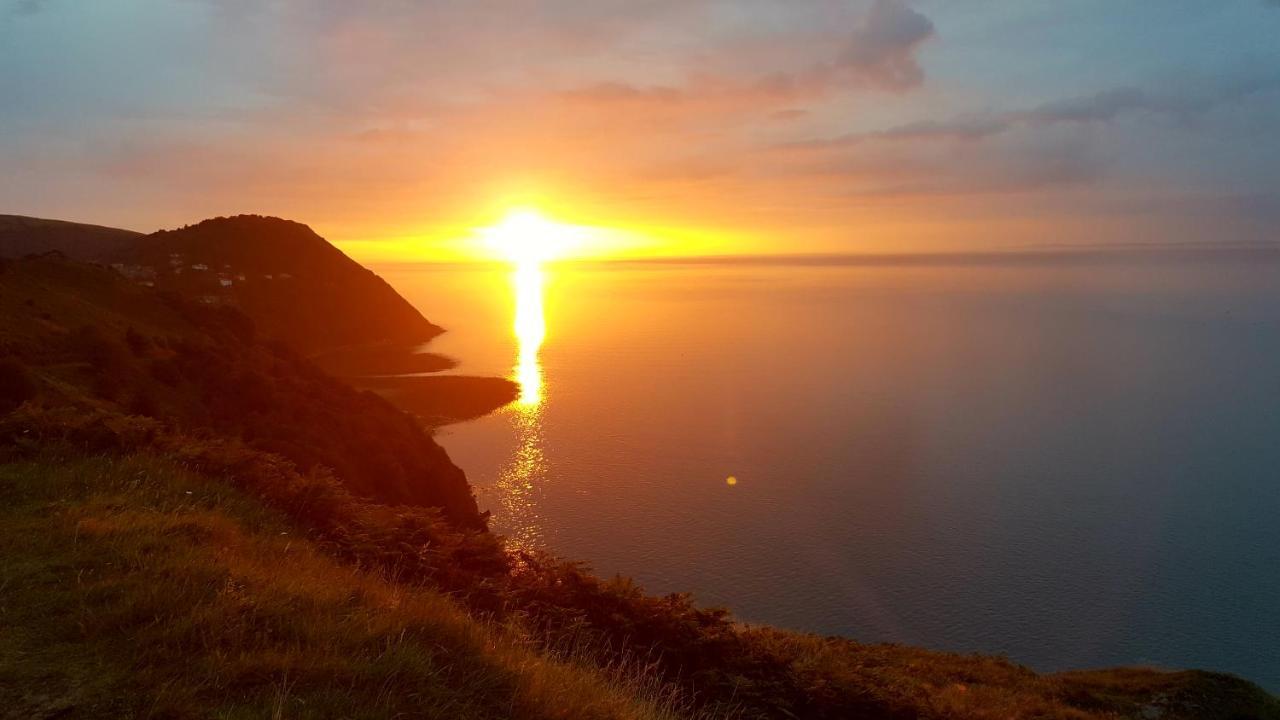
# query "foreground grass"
(132, 588)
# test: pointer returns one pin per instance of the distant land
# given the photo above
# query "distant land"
(20, 235)
(264, 266)
(100, 341)
(197, 521)
(291, 283)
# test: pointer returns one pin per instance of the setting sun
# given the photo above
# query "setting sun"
(525, 236)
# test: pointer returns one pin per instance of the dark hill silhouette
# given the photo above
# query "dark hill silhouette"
(86, 337)
(292, 282)
(21, 235)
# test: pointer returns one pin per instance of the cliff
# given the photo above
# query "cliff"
(293, 284)
(97, 341)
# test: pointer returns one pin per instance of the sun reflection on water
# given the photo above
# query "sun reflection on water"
(520, 482)
(531, 330)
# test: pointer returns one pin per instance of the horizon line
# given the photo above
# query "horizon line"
(1017, 255)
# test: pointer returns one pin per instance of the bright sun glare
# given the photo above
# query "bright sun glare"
(526, 237)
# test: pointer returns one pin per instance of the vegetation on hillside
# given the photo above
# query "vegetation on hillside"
(131, 587)
(295, 285)
(20, 235)
(95, 341)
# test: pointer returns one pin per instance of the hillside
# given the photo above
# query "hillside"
(196, 523)
(132, 587)
(92, 339)
(291, 282)
(21, 235)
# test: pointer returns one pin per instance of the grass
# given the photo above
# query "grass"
(133, 586)
(130, 587)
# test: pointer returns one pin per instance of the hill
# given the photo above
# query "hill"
(291, 282)
(135, 588)
(92, 339)
(20, 235)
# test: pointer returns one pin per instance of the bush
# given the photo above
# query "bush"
(17, 385)
(107, 356)
(138, 343)
(166, 371)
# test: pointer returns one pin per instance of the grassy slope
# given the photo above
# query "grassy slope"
(20, 235)
(328, 300)
(196, 367)
(130, 587)
(345, 303)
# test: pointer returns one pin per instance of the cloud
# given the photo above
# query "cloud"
(1111, 104)
(883, 49)
(1101, 107)
(1018, 164)
(788, 114)
(975, 128)
(878, 54)
(700, 97)
(27, 7)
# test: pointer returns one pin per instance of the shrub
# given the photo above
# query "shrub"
(138, 343)
(166, 371)
(107, 356)
(16, 384)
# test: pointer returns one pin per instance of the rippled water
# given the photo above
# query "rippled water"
(1075, 462)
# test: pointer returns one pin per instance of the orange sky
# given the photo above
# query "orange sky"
(671, 126)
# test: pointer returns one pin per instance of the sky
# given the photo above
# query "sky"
(396, 127)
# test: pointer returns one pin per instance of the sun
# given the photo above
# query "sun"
(526, 237)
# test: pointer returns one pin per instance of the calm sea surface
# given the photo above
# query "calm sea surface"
(1071, 461)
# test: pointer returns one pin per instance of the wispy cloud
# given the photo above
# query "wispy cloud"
(26, 7)
(883, 48)
(1100, 107)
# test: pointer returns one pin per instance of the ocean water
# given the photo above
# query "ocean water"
(1071, 460)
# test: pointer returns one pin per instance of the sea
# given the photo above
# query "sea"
(1070, 458)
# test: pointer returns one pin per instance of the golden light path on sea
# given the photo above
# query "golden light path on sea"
(520, 482)
(526, 239)
(530, 331)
